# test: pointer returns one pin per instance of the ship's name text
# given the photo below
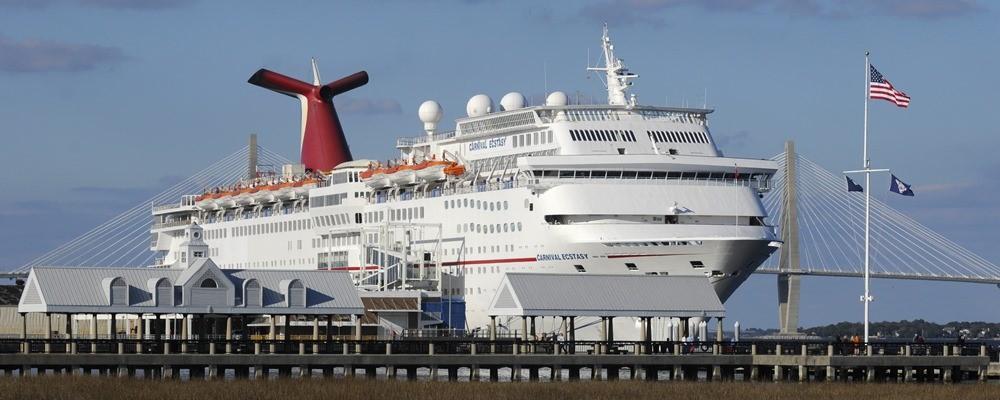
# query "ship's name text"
(561, 257)
(488, 144)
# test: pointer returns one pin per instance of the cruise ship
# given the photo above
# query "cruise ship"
(616, 188)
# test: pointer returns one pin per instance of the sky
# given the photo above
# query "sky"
(103, 102)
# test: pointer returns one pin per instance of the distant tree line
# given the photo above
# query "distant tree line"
(908, 329)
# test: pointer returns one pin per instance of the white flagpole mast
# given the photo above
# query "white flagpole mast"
(866, 164)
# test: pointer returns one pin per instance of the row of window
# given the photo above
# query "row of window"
(533, 138)
(601, 135)
(406, 214)
(477, 204)
(336, 240)
(336, 219)
(272, 227)
(642, 175)
(329, 200)
(488, 228)
(668, 243)
(677, 137)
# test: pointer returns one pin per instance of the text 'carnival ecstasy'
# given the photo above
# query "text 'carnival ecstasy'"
(619, 188)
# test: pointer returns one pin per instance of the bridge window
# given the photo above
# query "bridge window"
(580, 268)
(631, 267)
(696, 264)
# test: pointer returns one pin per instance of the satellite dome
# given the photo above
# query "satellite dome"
(512, 101)
(430, 113)
(479, 105)
(557, 99)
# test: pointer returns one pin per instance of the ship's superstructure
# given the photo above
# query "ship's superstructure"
(619, 188)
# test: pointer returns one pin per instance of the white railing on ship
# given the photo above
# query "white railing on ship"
(438, 192)
(160, 225)
(414, 140)
(761, 185)
(159, 207)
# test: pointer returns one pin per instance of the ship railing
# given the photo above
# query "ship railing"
(415, 140)
(451, 341)
(761, 185)
(170, 224)
(167, 206)
(464, 188)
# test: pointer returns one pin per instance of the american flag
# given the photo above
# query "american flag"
(881, 88)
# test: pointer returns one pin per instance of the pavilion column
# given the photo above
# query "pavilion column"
(572, 335)
(141, 331)
(25, 347)
(71, 346)
(113, 326)
(315, 337)
(48, 332)
(642, 335)
(604, 336)
(93, 333)
(719, 334)
(271, 335)
(167, 323)
(611, 329)
(524, 333)
(185, 332)
(493, 334)
(229, 334)
(357, 333)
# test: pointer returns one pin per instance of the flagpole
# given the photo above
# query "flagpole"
(866, 164)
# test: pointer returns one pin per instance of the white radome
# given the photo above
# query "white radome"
(430, 112)
(557, 99)
(479, 105)
(512, 101)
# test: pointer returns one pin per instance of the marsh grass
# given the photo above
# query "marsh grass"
(62, 387)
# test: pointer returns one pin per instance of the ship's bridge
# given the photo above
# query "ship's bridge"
(570, 130)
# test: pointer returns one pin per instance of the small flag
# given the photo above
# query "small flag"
(881, 88)
(853, 187)
(898, 186)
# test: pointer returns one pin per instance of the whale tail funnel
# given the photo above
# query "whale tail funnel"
(323, 143)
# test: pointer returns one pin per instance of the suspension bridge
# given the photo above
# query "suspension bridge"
(819, 221)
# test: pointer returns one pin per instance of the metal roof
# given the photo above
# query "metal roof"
(81, 290)
(597, 295)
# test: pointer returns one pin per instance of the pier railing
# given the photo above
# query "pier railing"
(156, 344)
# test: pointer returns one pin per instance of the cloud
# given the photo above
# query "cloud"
(109, 4)
(354, 105)
(925, 9)
(653, 12)
(28, 56)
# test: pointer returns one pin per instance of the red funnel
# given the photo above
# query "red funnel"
(323, 143)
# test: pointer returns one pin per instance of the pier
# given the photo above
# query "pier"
(513, 359)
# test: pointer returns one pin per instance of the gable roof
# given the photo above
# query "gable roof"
(81, 290)
(605, 296)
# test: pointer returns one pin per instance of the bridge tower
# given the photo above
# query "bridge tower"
(788, 258)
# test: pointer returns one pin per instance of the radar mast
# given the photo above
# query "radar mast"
(617, 75)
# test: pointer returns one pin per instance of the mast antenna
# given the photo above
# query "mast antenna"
(617, 75)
